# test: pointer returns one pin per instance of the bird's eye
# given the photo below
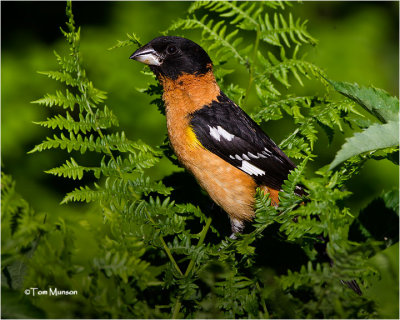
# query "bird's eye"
(171, 49)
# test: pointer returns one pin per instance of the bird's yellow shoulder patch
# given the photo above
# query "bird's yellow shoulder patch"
(192, 138)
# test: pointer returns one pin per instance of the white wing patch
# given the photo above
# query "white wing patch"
(219, 132)
(250, 169)
(214, 133)
(225, 134)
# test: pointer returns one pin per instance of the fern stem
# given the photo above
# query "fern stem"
(201, 240)
(169, 254)
(177, 307)
(82, 84)
(264, 306)
(203, 234)
(251, 76)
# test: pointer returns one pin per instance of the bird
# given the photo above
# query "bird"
(213, 138)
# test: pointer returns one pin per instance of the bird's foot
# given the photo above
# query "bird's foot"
(237, 226)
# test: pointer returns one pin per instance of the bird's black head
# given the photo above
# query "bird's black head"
(173, 56)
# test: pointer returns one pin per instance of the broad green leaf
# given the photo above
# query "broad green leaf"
(377, 136)
(391, 199)
(376, 101)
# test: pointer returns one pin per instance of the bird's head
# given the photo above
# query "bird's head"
(173, 56)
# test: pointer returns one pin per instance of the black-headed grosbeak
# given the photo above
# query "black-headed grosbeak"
(226, 151)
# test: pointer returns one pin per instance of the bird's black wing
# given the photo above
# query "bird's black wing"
(227, 131)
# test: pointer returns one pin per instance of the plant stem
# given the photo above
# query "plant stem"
(251, 76)
(201, 240)
(167, 251)
(176, 308)
(203, 234)
(266, 313)
(169, 254)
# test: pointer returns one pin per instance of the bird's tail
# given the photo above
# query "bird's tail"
(273, 195)
(352, 284)
(300, 190)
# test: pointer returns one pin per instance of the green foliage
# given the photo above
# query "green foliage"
(21, 230)
(157, 257)
(132, 40)
(377, 136)
(376, 101)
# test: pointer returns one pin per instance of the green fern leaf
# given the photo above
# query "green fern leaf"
(132, 40)
(101, 119)
(67, 63)
(272, 110)
(212, 32)
(96, 95)
(293, 180)
(243, 14)
(71, 169)
(61, 76)
(280, 28)
(67, 101)
(84, 194)
(145, 185)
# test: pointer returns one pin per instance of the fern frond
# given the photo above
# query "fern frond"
(319, 274)
(276, 4)
(62, 76)
(214, 32)
(266, 91)
(295, 146)
(102, 119)
(283, 29)
(116, 141)
(310, 133)
(66, 101)
(135, 162)
(120, 190)
(132, 40)
(272, 110)
(84, 194)
(92, 93)
(146, 185)
(70, 169)
(124, 265)
(243, 15)
(66, 63)
(290, 184)
(326, 114)
(280, 68)
(332, 113)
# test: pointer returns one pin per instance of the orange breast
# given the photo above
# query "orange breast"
(228, 186)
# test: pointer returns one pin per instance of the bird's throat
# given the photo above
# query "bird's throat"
(189, 92)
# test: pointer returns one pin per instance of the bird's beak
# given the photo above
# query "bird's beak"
(147, 55)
